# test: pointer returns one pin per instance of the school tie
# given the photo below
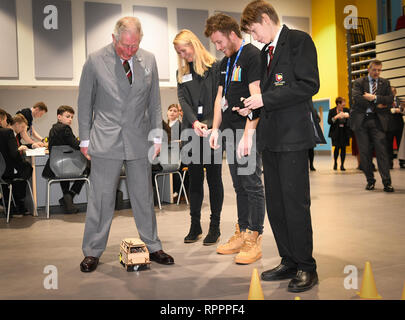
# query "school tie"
(271, 49)
(128, 71)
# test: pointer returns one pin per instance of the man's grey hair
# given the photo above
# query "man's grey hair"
(127, 24)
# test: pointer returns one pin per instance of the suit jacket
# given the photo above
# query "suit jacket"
(285, 122)
(199, 91)
(12, 157)
(59, 135)
(360, 104)
(115, 116)
(334, 126)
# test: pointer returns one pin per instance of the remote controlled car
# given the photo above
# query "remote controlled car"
(134, 254)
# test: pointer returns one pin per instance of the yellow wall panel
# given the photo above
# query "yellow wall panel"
(324, 36)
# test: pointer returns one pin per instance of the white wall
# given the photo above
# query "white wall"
(19, 92)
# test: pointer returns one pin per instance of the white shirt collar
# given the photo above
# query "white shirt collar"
(171, 123)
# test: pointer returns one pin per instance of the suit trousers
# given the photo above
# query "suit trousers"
(286, 180)
(370, 132)
(104, 179)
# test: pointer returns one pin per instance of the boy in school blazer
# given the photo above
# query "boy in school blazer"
(289, 80)
(61, 134)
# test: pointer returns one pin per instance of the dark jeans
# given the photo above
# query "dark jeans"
(288, 201)
(196, 187)
(371, 133)
(249, 189)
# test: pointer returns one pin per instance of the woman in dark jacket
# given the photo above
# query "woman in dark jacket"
(340, 132)
(197, 83)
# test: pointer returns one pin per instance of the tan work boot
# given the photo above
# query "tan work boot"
(234, 243)
(251, 250)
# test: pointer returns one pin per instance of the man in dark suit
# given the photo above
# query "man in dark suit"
(370, 116)
(16, 167)
(289, 80)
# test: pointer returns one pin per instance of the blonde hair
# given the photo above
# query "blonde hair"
(202, 60)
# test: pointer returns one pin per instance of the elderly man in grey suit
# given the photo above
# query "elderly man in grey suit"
(118, 105)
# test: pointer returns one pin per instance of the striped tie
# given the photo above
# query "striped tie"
(271, 48)
(374, 86)
(127, 69)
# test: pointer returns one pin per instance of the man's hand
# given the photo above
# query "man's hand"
(369, 96)
(22, 148)
(214, 139)
(395, 110)
(200, 129)
(255, 101)
(381, 106)
(84, 151)
(157, 147)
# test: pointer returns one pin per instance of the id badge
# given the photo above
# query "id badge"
(187, 77)
(224, 104)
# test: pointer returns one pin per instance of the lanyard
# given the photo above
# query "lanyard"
(233, 67)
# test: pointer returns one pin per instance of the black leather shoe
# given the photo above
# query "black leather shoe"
(161, 257)
(342, 168)
(335, 166)
(89, 264)
(388, 188)
(281, 272)
(370, 185)
(303, 281)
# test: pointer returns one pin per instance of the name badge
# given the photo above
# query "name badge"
(200, 110)
(187, 77)
(224, 104)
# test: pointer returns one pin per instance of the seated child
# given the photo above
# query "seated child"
(61, 134)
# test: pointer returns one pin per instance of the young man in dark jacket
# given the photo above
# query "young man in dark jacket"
(289, 79)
